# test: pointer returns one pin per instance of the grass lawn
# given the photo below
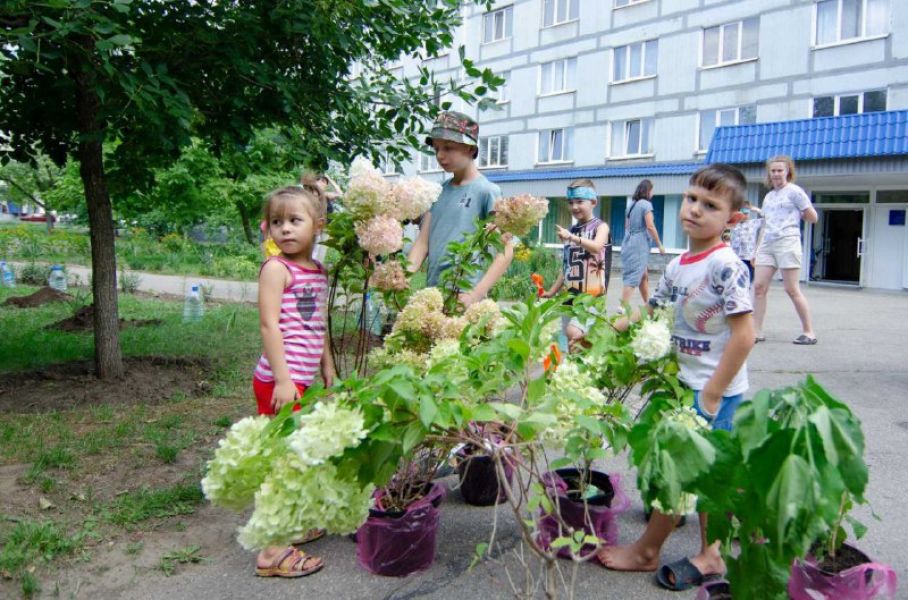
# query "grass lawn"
(101, 473)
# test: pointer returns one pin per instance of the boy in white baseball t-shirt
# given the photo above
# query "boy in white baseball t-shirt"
(709, 289)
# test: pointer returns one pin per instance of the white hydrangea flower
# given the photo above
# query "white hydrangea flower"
(414, 196)
(296, 498)
(325, 432)
(652, 341)
(240, 464)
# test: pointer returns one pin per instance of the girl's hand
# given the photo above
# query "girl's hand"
(661, 249)
(562, 233)
(467, 299)
(283, 393)
(328, 374)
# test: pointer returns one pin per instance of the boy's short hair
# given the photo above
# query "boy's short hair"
(582, 183)
(724, 179)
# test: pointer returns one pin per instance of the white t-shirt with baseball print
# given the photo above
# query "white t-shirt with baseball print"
(705, 289)
(782, 212)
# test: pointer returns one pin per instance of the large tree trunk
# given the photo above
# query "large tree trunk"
(247, 223)
(108, 360)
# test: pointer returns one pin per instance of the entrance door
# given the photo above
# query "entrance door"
(841, 246)
(889, 247)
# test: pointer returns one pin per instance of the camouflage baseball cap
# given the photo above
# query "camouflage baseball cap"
(455, 127)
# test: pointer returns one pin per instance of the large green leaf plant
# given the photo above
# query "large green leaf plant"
(781, 483)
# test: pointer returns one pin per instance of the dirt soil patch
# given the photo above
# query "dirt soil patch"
(43, 296)
(148, 380)
(84, 320)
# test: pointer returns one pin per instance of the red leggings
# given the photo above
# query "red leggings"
(264, 390)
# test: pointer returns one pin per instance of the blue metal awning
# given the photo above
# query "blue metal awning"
(865, 135)
(641, 170)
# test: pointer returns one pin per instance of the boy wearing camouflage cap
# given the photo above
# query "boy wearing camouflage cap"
(466, 196)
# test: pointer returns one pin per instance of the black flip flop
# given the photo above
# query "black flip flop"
(684, 574)
(803, 340)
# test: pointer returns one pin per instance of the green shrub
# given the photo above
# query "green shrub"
(34, 274)
(516, 283)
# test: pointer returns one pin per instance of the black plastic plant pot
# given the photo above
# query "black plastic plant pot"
(396, 544)
(479, 484)
(574, 477)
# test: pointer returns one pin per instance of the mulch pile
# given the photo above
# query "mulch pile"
(84, 320)
(148, 380)
(43, 296)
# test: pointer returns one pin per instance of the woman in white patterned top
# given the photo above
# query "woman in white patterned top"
(780, 247)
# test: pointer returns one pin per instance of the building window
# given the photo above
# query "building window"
(557, 76)
(387, 165)
(623, 3)
(556, 145)
(849, 104)
(555, 12)
(497, 25)
(636, 60)
(428, 162)
(493, 151)
(731, 42)
(632, 138)
(710, 119)
(843, 20)
(504, 90)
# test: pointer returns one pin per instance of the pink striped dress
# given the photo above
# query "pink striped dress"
(303, 323)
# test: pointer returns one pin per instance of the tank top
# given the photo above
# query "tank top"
(303, 323)
(586, 273)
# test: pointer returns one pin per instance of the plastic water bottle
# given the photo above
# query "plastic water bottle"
(57, 278)
(194, 306)
(373, 316)
(6, 272)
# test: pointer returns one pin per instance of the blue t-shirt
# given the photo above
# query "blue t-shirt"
(453, 218)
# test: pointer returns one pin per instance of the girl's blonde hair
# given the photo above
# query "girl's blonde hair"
(782, 158)
(307, 191)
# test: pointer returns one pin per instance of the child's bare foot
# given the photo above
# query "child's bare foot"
(709, 562)
(628, 558)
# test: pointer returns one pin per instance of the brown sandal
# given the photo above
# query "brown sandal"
(310, 536)
(291, 563)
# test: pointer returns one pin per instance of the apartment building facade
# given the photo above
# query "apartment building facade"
(621, 90)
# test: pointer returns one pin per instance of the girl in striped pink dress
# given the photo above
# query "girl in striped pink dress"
(293, 290)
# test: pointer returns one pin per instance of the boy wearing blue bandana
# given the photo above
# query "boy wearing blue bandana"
(586, 256)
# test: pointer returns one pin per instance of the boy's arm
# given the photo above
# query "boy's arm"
(499, 265)
(597, 243)
(420, 248)
(733, 357)
(555, 286)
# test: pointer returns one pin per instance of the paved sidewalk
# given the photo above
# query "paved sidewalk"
(860, 358)
(177, 285)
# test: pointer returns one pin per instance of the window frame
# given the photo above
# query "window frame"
(837, 103)
(431, 163)
(507, 26)
(699, 149)
(629, 4)
(720, 49)
(839, 40)
(626, 123)
(627, 66)
(487, 150)
(504, 90)
(571, 86)
(555, 22)
(567, 140)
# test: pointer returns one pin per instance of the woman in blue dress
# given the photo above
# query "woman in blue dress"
(639, 235)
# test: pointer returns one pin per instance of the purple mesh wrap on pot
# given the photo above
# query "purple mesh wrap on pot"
(402, 545)
(602, 518)
(861, 582)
